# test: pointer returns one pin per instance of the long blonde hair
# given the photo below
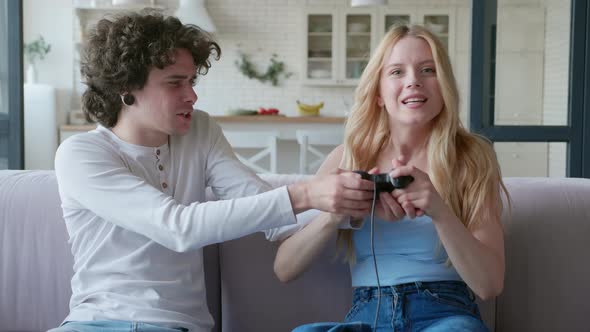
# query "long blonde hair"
(463, 166)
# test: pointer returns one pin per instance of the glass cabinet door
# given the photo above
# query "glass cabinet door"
(357, 44)
(391, 20)
(320, 47)
(439, 25)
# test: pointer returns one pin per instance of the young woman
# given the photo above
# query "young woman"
(441, 237)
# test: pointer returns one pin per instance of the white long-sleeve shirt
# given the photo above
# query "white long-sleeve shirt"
(137, 220)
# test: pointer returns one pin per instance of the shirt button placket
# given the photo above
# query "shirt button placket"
(161, 169)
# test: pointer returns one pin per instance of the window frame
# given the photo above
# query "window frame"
(577, 133)
(12, 125)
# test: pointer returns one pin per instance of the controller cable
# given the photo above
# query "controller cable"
(400, 182)
(374, 257)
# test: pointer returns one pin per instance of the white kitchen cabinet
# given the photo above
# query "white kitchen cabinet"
(359, 40)
(339, 41)
(439, 20)
(337, 44)
(320, 42)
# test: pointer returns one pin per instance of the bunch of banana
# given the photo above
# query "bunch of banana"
(309, 110)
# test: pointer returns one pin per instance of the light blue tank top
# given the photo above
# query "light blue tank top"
(408, 250)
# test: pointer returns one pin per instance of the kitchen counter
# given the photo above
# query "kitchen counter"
(286, 125)
(279, 119)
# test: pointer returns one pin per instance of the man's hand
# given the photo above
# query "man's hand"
(343, 193)
(340, 192)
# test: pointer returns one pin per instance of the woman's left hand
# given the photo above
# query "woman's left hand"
(420, 195)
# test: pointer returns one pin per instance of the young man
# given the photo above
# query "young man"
(133, 190)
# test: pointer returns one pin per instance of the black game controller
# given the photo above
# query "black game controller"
(384, 182)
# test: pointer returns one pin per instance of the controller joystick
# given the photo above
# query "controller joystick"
(385, 183)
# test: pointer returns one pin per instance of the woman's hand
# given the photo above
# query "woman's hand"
(419, 197)
(386, 207)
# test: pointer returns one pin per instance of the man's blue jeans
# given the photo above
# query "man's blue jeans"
(113, 326)
(420, 306)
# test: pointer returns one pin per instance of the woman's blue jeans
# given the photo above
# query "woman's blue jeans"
(419, 306)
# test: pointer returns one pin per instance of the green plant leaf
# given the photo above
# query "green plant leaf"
(272, 73)
(37, 49)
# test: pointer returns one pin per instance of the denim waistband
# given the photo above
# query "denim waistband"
(416, 287)
(107, 325)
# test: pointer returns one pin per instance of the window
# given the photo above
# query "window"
(529, 91)
(11, 85)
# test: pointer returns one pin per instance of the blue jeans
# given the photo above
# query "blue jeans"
(420, 306)
(112, 326)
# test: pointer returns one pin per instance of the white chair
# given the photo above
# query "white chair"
(309, 140)
(265, 141)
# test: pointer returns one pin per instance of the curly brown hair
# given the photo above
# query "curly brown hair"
(123, 49)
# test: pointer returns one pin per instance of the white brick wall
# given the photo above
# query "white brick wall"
(260, 28)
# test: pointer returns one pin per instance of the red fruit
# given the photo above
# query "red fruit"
(267, 111)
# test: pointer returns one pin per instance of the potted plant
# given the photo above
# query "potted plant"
(33, 51)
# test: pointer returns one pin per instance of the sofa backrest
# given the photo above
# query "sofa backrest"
(35, 257)
(547, 270)
(254, 300)
(547, 256)
(546, 264)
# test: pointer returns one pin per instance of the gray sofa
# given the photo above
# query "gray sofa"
(547, 257)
